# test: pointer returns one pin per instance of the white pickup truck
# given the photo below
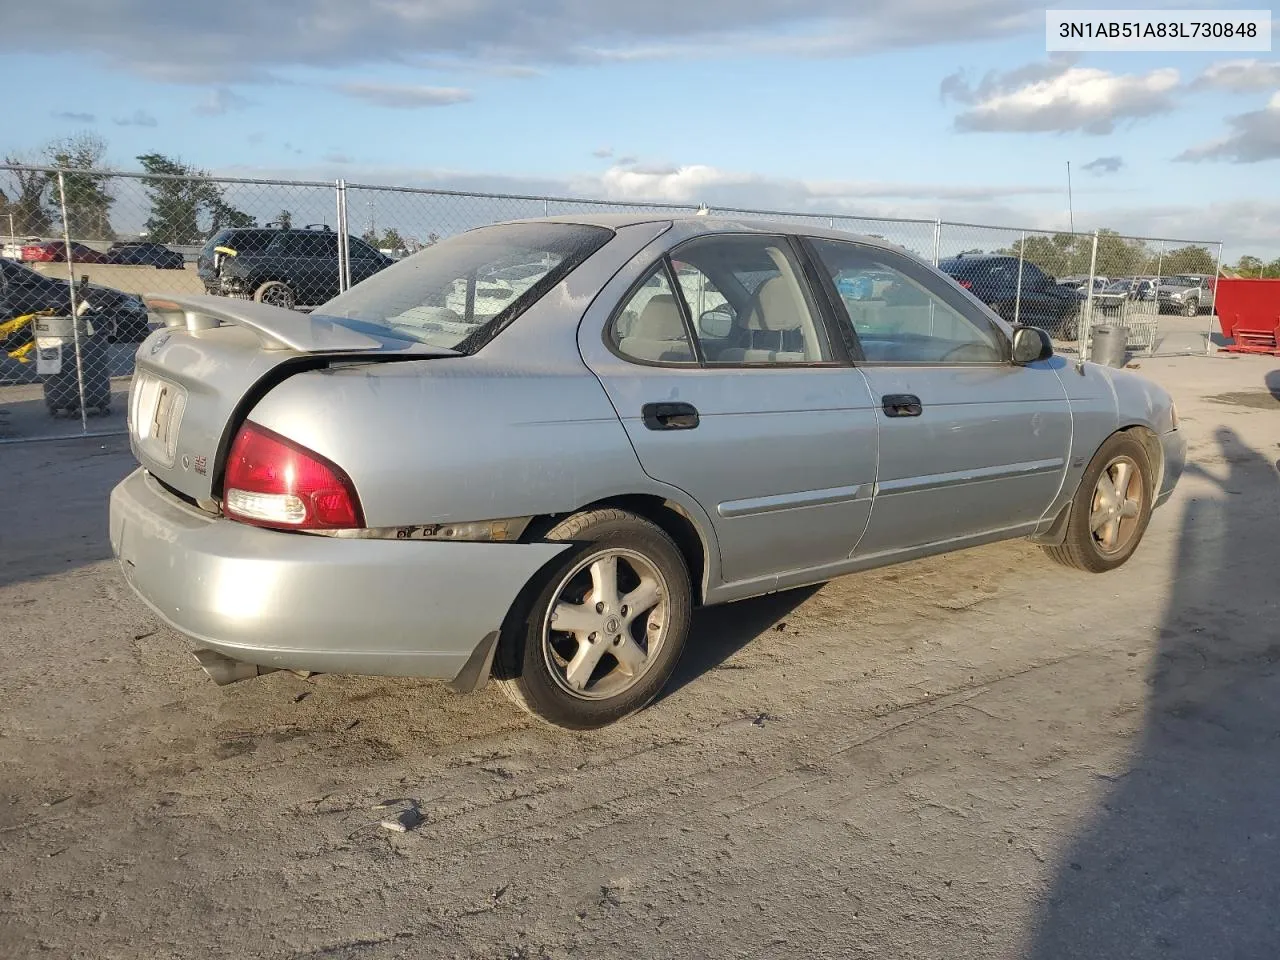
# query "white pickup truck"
(1188, 294)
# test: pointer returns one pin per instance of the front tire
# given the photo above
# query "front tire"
(1111, 508)
(277, 294)
(606, 626)
(1192, 309)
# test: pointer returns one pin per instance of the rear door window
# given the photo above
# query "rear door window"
(749, 301)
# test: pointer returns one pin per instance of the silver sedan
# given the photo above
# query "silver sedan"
(529, 451)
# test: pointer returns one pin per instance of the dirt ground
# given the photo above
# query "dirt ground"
(979, 755)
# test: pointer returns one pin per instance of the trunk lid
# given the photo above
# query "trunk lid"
(198, 376)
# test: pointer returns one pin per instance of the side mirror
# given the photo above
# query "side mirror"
(716, 324)
(1030, 344)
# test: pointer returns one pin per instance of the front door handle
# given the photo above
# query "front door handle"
(901, 405)
(670, 416)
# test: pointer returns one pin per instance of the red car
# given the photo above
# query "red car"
(55, 251)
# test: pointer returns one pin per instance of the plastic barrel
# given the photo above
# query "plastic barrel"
(61, 386)
(1108, 345)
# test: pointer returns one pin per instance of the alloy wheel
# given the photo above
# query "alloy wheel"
(1117, 505)
(606, 625)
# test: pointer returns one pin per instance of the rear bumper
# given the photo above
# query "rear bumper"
(301, 602)
(1174, 446)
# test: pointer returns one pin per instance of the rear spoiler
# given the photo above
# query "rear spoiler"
(276, 327)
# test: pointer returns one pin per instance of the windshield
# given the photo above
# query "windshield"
(1182, 281)
(461, 292)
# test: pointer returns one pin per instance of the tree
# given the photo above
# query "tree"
(180, 195)
(1189, 259)
(27, 193)
(222, 214)
(1248, 266)
(1058, 255)
(391, 240)
(1071, 254)
(285, 219)
(88, 201)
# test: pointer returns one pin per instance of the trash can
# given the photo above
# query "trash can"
(1109, 344)
(56, 365)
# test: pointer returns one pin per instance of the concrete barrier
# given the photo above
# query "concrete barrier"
(140, 279)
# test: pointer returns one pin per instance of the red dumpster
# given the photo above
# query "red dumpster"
(1249, 313)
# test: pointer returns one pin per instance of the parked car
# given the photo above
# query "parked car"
(120, 316)
(1081, 283)
(1117, 293)
(55, 251)
(284, 267)
(11, 248)
(1188, 294)
(993, 279)
(392, 486)
(144, 253)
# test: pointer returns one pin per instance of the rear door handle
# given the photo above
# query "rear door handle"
(901, 405)
(670, 416)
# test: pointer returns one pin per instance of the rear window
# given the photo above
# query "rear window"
(459, 293)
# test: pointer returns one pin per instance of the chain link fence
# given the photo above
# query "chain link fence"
(83, 247)
(1159, 293)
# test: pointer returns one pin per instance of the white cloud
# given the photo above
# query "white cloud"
(221, 101)
(1058, 96)
(139, 118)
(241, 43)
(1254, 137)
(1104, 165)
(405, 96)
(1241, 75)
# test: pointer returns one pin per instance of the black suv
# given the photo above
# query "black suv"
(993, 279)
(286, 267)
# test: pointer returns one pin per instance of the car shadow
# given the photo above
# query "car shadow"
(1179, 858)
(1272, 381)
(719, 632)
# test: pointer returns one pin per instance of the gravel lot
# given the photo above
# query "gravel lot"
(980, 755)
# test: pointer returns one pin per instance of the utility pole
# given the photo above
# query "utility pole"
(1071, 216)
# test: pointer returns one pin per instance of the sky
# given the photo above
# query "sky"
(889, 108)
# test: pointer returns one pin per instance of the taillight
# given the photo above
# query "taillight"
(967, 284)
(271, 481)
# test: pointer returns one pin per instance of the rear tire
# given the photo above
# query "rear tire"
(276, 294)
(1108, 517)
(623, 591)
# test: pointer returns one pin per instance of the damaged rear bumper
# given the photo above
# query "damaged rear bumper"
(293, 601)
